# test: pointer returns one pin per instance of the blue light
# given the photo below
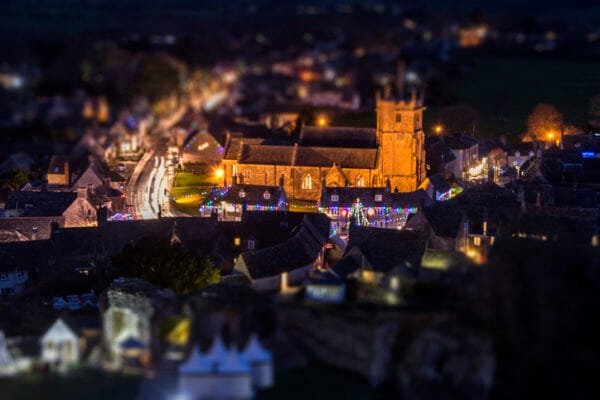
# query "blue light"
(588, 154)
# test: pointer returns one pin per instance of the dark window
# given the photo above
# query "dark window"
(398, 117)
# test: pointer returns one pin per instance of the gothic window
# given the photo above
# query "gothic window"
(360, 181)
(378, 197)
(335, 197)
(307, 182)
(266, 195)
(398, 118)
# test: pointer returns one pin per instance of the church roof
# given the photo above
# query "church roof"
(266, 154)
(365, 158)
(338, 137)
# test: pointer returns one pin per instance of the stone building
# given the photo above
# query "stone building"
(393, 154)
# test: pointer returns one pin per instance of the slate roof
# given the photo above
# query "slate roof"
(266, 154)
(28, 255)
(365, 158)
(346, 266)
(445, 221)
(348, 195)
(40, 204)
(459, 141)
(388, 248)
(232, 151)
(253, 194)
(338, 137)
(298, 251)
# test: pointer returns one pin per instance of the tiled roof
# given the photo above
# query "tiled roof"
(40, 204)
(266, 154)
(348, 195)
(388, 248)
(365, 158)
(252, 194)
(298, 251)
(338, 137)
(232, 151)
(445, 221)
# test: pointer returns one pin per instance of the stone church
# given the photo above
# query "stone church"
(392, 154)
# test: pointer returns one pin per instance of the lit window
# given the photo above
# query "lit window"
(360, 181)
(378, 197)
(477, 241)
(335, 197)
(236, 241)
(307, 182)
(266, 195)
(242, 193)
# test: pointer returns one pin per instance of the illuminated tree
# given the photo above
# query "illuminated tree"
(544, 123)
(356, 215)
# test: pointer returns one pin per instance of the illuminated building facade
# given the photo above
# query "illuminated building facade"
(393, 154)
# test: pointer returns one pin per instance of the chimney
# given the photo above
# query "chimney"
(102, 215)
(54, 231)
(82, 192)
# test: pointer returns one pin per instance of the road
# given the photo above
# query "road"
(147, 191)
(149, 185)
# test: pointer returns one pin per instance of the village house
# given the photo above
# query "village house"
(66, 342)
(132, 313)
(446, 228)
(230, 203)
(287, 263)
(380, 206)
(381, 259)
(465, 150)
(32, 213)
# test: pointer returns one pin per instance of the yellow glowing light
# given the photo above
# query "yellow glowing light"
(219, 173)
(322, 121)
(438, 129)
(550, 135)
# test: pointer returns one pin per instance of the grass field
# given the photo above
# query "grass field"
(90, 386)
(504, 91)
(190, 189)
(322, 383)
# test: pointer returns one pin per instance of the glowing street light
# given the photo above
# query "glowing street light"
(438, 129)
(322, 121)
(219, 173)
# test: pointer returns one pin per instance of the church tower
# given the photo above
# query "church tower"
(401, 141)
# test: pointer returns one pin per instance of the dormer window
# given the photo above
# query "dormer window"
(378, 197)
(242, 193)
(266, 195)
(335, 197)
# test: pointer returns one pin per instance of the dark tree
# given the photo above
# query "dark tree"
(165, 264)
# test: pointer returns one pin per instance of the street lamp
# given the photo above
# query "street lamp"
(438, 129)
(322, 121)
